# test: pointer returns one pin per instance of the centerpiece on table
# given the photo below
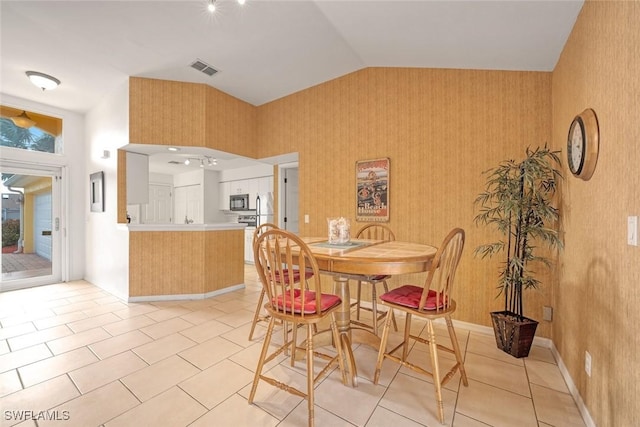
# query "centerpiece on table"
(339, 231)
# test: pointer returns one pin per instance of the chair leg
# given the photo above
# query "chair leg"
(456, 350)
(386, 289)
(294, 344)
(435, 369)
(256, 316)
(310, 374)
(263, 356)
(407, 333)
(358, 293)
(383, 345)
(374, 307)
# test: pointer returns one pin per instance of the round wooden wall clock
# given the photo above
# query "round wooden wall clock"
(583, 144)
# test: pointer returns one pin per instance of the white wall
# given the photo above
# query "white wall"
(256, 171)
(107, 243)
(77, 190)
(212, 212)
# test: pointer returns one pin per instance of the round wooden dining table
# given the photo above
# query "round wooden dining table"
(357, 258)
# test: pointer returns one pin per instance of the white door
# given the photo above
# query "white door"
(290, 199)
(158, 211)
(39, 254)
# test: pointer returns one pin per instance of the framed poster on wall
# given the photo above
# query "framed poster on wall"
(372, 190)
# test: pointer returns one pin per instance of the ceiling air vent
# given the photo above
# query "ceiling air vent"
(173, 162)
(203, 67)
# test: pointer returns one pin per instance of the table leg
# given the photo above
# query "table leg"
(343, 321)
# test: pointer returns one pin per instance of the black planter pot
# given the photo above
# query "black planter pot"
(514, 334)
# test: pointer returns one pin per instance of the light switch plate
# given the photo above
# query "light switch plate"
(632, 231)
(306, 218)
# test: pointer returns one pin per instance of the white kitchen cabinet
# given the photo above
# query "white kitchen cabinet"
(225, 192)
(240, 186)
(248, 245)
(252, 186)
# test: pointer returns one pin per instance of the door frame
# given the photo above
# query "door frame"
(282, 192)
(59, 206)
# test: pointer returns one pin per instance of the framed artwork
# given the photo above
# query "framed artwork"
(96, 192)
(372, 190)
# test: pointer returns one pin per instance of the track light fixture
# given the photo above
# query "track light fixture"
(204, 161)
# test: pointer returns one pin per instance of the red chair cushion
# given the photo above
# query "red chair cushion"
(409, 296)
(285, 302)
(296, 276)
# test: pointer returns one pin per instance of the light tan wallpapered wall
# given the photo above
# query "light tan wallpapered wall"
(441, 129)
(596, 301)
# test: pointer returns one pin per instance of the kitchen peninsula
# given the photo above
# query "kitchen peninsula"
(185, 261)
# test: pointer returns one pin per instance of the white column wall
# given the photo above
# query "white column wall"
(107, 242)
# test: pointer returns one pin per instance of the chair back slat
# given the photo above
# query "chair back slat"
(282, 259)
(262, 229)
(440, 279)
(376, 232)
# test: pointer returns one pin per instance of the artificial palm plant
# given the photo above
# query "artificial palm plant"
(519, 202)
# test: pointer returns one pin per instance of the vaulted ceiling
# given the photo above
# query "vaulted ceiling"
(265, 49)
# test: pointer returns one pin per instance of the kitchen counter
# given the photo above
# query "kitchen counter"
(185, 261)
(187, 227)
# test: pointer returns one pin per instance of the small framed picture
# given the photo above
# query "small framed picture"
(372, 190)
(96, 191)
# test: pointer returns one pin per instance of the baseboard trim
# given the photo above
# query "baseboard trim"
(186, 297)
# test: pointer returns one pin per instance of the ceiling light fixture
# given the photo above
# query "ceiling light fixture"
(203, 161)
(173, 149)
(23, 121)
(43, 81)
(211, 4)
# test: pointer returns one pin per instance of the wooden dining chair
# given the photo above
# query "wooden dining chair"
(376, 232)
(431, 302)
(279, 253)
(259, 315)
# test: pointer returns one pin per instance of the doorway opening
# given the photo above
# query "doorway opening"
(289, 218)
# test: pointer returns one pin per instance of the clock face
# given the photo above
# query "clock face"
(576, 146)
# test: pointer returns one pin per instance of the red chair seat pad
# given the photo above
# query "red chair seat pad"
(296, 276)
(286, 303)
(409, 296)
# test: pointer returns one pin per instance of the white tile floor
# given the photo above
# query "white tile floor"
(76, 354)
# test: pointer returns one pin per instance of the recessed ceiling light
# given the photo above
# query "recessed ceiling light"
(173, 149)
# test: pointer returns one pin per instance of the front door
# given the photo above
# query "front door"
(31, 226)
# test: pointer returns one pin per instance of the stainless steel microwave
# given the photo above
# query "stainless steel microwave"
(239, 202)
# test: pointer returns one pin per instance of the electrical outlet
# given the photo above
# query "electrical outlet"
(587, 363)
(547, 313)
(632, 231)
